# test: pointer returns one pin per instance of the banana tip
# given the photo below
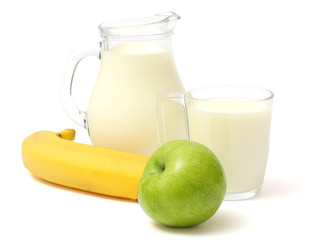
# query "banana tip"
(68, 134)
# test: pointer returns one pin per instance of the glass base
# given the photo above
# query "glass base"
(241, 195)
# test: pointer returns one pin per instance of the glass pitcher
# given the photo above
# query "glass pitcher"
(136, 63)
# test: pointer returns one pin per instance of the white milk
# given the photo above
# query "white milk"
(121, 111)
(238, 134)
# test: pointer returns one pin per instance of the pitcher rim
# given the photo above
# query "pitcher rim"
(111, 28)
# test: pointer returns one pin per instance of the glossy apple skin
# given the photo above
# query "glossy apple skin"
(183, 184)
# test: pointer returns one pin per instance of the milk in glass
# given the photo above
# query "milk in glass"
(237, 131)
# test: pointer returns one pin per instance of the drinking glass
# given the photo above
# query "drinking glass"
(234, 122)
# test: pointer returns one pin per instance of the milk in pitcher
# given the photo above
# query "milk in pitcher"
(129, 77)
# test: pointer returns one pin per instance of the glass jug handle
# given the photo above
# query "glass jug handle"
(74, 113)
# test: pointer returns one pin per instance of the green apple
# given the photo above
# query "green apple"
(183, 184)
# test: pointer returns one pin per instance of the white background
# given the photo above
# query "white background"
(272, 44)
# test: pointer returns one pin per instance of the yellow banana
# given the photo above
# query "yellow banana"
(56, 158)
